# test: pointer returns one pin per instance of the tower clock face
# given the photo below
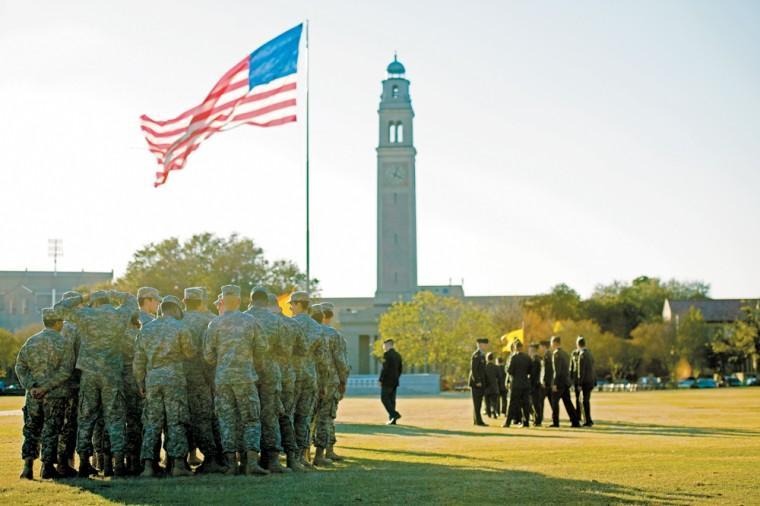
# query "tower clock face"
(396, 175)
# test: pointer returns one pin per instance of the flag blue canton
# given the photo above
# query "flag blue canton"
(277, 58)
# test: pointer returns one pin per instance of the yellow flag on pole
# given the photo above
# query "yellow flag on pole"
(509, 337)
(282, 301)
(557, 327)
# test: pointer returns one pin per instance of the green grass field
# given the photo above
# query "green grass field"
(669, 447)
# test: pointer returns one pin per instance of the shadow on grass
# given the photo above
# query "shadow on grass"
(378, 481)
(644, 429)
(411, 430)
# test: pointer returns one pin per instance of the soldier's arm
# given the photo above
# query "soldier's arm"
(209, 345)
(186, 344)
(299, 347)
(127, 303)
(340, 359)
(260, 344)
(23, 373)
(139, 362)
(69, 307)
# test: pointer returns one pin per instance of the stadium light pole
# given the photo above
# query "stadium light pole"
(55, 250)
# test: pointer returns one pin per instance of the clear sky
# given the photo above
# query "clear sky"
(576, 142)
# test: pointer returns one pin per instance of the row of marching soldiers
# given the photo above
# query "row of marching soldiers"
(243, 387)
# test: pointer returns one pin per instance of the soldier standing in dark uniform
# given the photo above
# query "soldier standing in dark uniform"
(389, 376)
(561, 384)
(575, 386)
(477, 380)
(546, 376)
(492, 386)
(502, 386)
(586, 379)
(519, 398)
(536, 390)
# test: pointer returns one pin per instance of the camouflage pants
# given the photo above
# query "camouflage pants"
(270, 390)
(200, 402)
(98, 392)
(43, 419)
(238, 410)
(324, 416)
(165, 406)
(306, 394)
(333, 416)
(288, 399)
(67, 441)
(133, 415)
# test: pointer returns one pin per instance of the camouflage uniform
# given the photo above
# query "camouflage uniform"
(101, 332)
(314, 363)
(133, 402)
(45, 361)
(339, 361)
(199, 381)
(291, 367)
(232, 343)
(67, 442)
(162, 348)
(270, 379)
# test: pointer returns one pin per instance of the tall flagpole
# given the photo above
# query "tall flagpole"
(308, 252)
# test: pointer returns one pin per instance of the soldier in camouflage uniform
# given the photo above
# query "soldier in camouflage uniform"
(233, 343)
(270, 380)
(290, 361)
(101, 331)
(149, 300)
(199, 378)
(339, 352)
(314, 364)
(163, 345)
(133, 401)
(67, 442)
(44, 363)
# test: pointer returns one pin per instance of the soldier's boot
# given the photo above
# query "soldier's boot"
(231, 464)
(243, 462)
(330, 454)
(294, 463)
(178, 469)
(148, 469)
(49, 472)
(211, 466)
(136, 465)
(107, 465)
(320, 459)
(28, 472)
(119, 469)
(253, 467)
(273, 464)
(192, 458)
(304, 460)
(85, 468)
(65, 469)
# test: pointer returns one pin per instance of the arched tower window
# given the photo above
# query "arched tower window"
(399, 132)
(394, 92)
(392, 132)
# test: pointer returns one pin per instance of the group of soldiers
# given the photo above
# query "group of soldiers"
(519, 388)
(112, 376)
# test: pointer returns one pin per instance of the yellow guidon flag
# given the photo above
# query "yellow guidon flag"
(282, 301)
(510, 337)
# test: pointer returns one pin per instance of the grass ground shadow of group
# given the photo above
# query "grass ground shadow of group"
(380, 481)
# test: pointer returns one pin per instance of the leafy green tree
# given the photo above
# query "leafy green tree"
(209, 261)
(9, 347)
(693, 338)
(436, 333)
(657, 341)
(561, 303)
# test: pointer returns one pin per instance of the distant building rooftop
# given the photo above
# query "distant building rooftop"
(713, 310)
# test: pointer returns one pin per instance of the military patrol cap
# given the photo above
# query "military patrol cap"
(533, 345)
(388, 341)
(483, 340)
(203, 291)
(148, 292)
(98, 296)
(300, 297)
(194, 293)
(230, 291)
(316, 309)
(259, 289)
(171, 299)
(51, 314)
(71, 294)
(328, 306)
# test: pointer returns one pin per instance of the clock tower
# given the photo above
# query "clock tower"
(396, 192)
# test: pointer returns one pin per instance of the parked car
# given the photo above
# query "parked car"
(751, 381)
(14, 390)
(706, 383)
(688, 383)
(731, 381)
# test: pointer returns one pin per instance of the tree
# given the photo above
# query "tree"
(693, 340)
(656, 341)
(211, 262)
(561, 303)
(436, 333)
(739, 341)
(9, 347)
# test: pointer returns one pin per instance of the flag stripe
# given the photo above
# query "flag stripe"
(260, 90)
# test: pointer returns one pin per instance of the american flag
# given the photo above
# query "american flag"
(260, 90)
